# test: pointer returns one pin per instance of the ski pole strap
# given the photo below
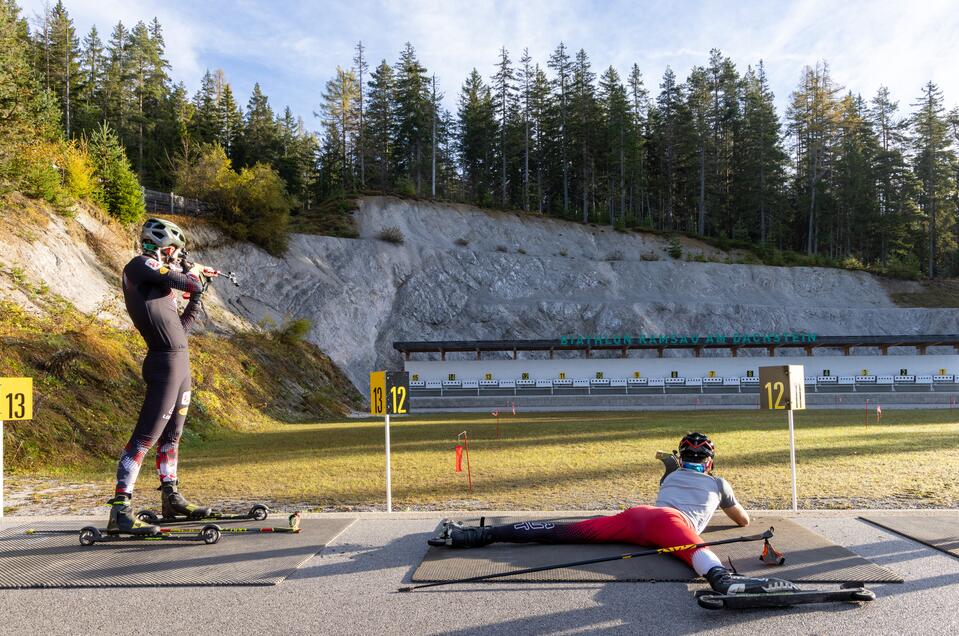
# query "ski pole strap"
(631, 555)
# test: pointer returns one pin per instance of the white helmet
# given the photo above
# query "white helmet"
(157, 234)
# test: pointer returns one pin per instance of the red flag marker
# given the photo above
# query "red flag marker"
(459, 458)
(878, 413)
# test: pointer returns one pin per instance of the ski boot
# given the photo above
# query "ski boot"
(175, 506)
(726, 582)
(122, 520)
(456, 535)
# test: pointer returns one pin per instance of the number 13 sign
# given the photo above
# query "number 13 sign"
(389, 395)
(16, 403)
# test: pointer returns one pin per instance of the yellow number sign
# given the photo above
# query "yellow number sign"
(16, 399)
(389, 392)
(782, 387)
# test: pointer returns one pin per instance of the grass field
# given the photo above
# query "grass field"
(600, 460)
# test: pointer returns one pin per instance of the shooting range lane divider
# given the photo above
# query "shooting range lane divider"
(783, 387)
(389, 395)
(16, 404)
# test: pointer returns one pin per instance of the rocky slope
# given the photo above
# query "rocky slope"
(464, 273)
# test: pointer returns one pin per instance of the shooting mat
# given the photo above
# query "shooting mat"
(936, 531)
(810, 558)
(58, 561)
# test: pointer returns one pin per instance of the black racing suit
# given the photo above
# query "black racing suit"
(148, 289)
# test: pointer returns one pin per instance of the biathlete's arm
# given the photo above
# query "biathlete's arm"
(188, 317)
(153, 272)
(670, 463)
(727, 501)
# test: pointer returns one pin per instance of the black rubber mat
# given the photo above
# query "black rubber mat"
(939, 532)
(810, 558)
(57, 561)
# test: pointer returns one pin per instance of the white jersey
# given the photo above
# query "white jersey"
(695, 494)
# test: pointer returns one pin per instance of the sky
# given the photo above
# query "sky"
(292, 47)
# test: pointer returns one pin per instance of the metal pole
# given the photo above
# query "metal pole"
(389, 481)
(792, 459)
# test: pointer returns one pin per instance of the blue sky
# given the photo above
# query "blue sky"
(292, 47)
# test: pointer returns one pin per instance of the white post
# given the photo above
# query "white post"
(792, 459)
(389, 482)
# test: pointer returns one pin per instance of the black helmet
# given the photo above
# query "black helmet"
(696, 448)
(159, 234)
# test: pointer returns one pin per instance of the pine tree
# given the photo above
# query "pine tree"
(615, 116)
(699, 101)
(259, 141)
(141, 58)
(361, 67)
(760, 165)
(64, 68)
(540, 115)
(477, 130)
(381, 123)
(339, 123)
(90, 93)
(412, 112)
(813, 124)
(931, 163)
(207, 121)
(639, 114)
(560, 63)
(584, 109)
(503, 94)
(117, 85)
(231, 120)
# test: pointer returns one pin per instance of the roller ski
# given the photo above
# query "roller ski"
(733, 591)
(457, 535)
(208, 534)
(292, 528)
(122, 526)
(176, 509)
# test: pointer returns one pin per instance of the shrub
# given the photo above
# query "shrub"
(293, 331)
(79, 174)
(851, 262)
(501, 248)
(405, 187)
(521, 251)
(252, 205)
(615, 255)
(122, 194)
(39, 174)
(391, 234)
(649, 256)
(462, 242)
(675, 248)
(903, 266)
(563, 252)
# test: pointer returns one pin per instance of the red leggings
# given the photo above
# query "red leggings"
(643, 525)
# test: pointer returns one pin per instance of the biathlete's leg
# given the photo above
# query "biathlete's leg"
(162, 390)
(158, 406)
(174, 504)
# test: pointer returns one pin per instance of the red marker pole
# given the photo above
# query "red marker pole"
(466, 447)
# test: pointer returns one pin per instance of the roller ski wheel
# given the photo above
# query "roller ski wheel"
(711, 600)
(259, 512)
(148, 516)
(210, 534)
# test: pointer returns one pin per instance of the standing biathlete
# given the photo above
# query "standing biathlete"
(151, 283)
(688, 497)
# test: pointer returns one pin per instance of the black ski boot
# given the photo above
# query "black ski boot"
(726, 582)
(122, 520)
(175, 506)
(456, 535)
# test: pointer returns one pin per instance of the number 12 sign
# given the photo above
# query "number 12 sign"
(389, 392)
(782, 387)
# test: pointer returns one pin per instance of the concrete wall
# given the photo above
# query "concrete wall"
(690, 367)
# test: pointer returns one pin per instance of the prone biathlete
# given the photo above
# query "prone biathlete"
(151, 283)
(688, 497)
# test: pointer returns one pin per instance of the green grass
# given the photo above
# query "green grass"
(577, 460)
